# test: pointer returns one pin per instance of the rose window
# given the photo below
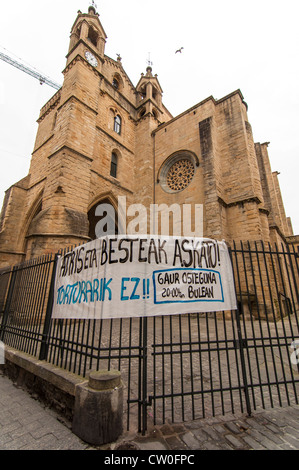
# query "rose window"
(177, 171)
(180, 175)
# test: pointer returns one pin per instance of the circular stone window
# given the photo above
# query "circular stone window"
(177, 172)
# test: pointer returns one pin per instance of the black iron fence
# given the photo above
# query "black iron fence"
(178, 367)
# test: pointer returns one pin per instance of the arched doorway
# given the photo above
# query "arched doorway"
(103, 219)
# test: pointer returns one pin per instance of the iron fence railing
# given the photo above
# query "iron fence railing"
(174, 367)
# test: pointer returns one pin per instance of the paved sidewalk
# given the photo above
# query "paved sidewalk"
(25, 424)
(267, 430)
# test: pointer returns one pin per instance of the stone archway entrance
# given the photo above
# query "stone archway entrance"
(103, 219)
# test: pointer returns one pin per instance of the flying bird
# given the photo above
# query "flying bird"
(179, 50)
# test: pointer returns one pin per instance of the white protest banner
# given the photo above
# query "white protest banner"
(133, 276)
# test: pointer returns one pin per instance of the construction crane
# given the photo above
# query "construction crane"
(42, 79)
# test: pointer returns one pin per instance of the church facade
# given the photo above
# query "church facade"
(101, 139)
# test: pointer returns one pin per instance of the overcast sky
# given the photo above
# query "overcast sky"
(228, 45)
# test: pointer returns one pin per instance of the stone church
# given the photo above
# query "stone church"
(101, 138)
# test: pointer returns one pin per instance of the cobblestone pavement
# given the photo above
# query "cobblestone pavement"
(276, 429)
(25, 424)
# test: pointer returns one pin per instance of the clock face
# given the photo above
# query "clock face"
(91, 59)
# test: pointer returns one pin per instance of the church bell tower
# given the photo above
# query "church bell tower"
(54, 196)
(88, 39)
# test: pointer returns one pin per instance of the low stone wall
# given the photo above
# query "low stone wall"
(93, 405)
(53, 386)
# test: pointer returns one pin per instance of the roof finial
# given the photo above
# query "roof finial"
(92, 8)
(149, 63)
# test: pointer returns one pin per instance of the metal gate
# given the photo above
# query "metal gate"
(206, 364)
